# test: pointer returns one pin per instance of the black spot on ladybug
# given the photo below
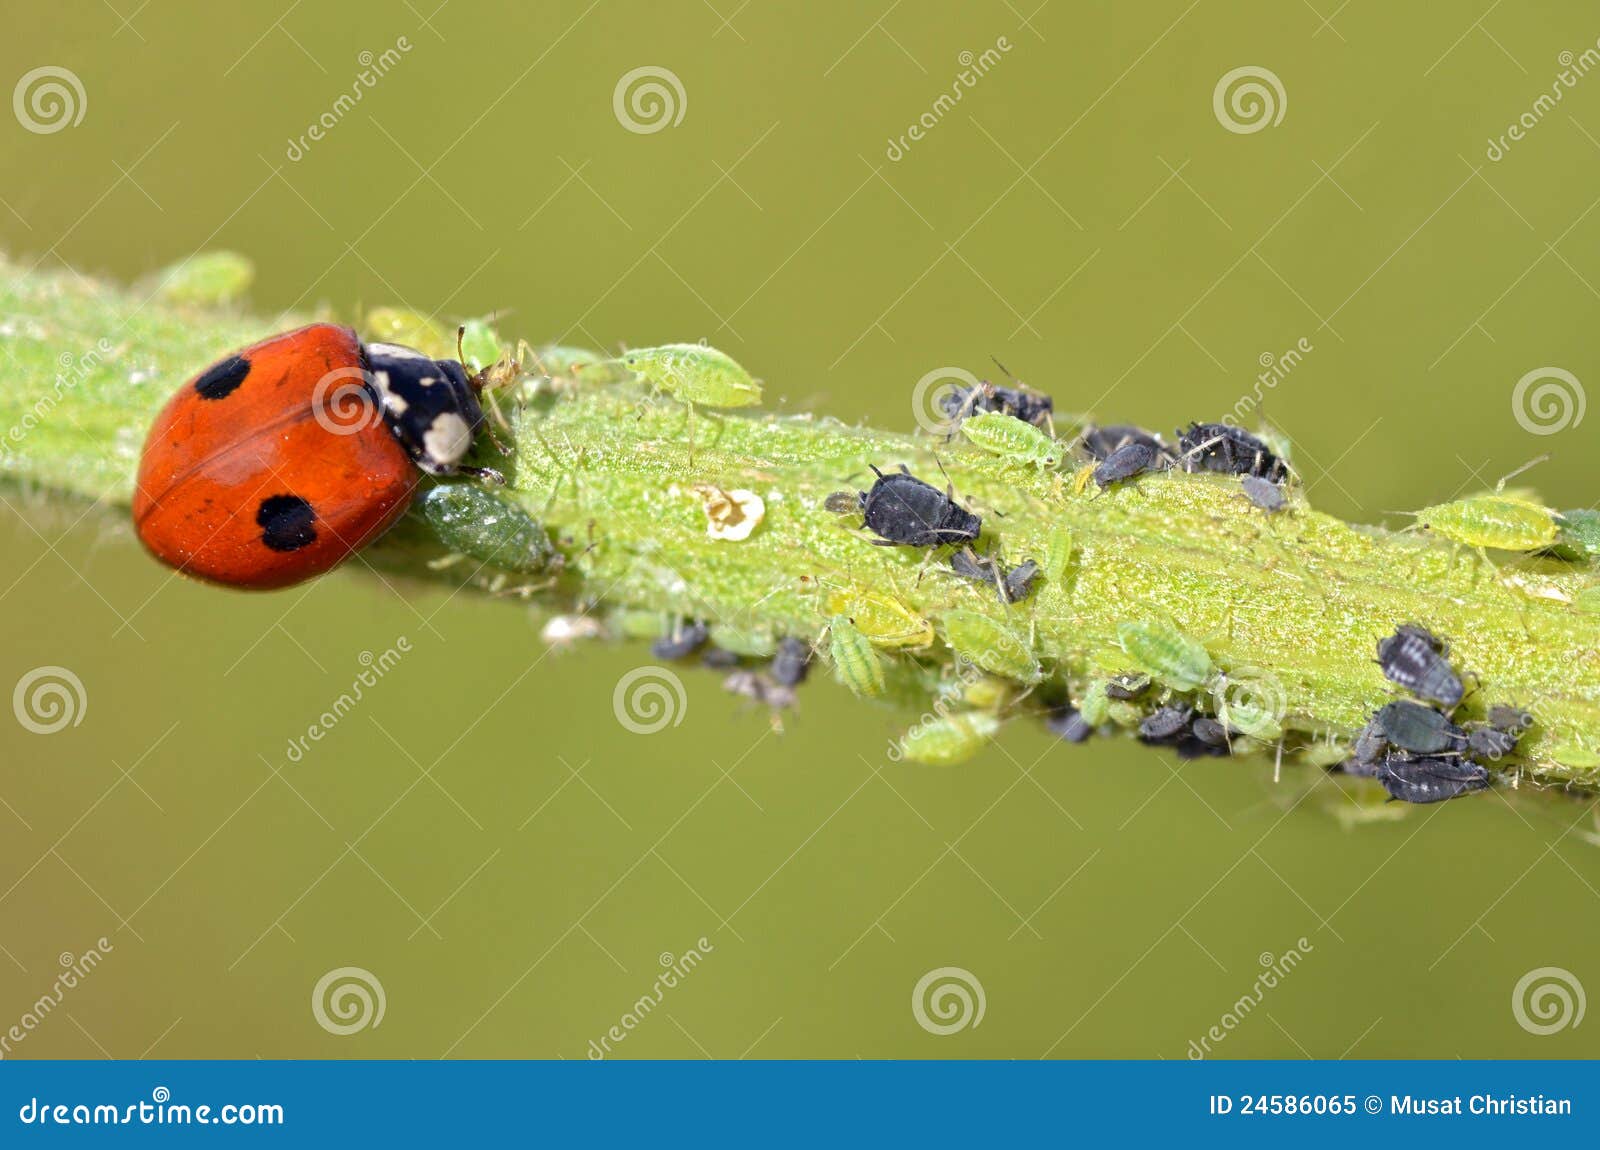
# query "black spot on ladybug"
(285, 522)
(221, 380)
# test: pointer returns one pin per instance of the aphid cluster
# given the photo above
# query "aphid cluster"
(1029, 406)
(1229, 450)
(1416, 750)
(1011, 584)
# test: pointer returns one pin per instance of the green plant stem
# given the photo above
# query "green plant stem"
(1299, 597)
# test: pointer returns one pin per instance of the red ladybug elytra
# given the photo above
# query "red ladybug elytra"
(276, 463)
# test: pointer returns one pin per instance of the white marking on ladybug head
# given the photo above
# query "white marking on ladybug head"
(394, 351)
(448, 438)
(393, 402)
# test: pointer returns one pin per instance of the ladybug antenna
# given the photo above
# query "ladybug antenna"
(461, 336)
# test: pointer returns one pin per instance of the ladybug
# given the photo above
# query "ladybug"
(276, 463)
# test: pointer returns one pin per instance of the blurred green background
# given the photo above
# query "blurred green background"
(481, 835)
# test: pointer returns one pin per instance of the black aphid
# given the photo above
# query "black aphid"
(1018, 581)
(1413, 658)
(1100, 442)
(1228, 449)
(1487, 742)
(1165, 723)
(1068, 724)
(760, 688)
(1209, 731)
(1128, 685)
(1360, 768)
(1504, 717)
(1371, 744)
(1011, 586)
(792, 663)
(719, 658)
(1264, 493)
(1190, 747)
(1125, 462)
(903, 511)
(1418, 729)
(1029, 406)
(1430, 780)
(683, 640)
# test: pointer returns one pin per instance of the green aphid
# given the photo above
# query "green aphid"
(480, 342)
(1057, 553)
(988, 693)
(694, 373)
(1502, 521)
(1578, 536)
(636, 623)
(747, 644)
(1094, 706)
(991, 646)
(1249, 717)
(560, 362)
(1011, 439)
(1575, 754)
(950, 740)
(208, 278)
(855, 662)
(1326, 753)
(1171, 657)
(1588, 600)
(472, 521)
(1124, 713)
(409, 329)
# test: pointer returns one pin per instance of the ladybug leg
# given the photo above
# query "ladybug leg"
(487, 474)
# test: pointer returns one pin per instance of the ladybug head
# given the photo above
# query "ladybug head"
(430, 405)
